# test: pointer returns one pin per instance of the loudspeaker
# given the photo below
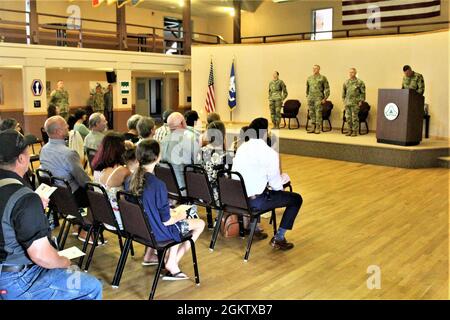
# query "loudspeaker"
(111, 77)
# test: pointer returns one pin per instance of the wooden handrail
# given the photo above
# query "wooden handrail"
(347, 31)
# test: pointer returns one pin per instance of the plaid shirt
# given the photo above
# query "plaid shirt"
(161, 132)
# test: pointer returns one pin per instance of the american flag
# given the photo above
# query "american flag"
(210, 105)
(360, 11)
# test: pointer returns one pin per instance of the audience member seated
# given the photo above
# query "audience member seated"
(30, 267)
(164, 130)
(166, 225)
(179, 149)
(192, 122)
(145, 128)
(80, 118)
(110, 170)
(259, 165)
(132, 134)
(239, 141)
(98, 125)
(71, 122)
(10, 123)
(212, 157)
(52, 110)
(211, 117)
(63, 162)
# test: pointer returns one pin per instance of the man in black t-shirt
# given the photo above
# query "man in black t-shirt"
(30, 268)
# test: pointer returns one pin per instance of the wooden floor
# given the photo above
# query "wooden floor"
(354, 216)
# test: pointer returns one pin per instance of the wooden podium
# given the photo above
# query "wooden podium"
(400, 117)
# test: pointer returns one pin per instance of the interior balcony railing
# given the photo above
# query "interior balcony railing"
(348, 33)
(58, 30)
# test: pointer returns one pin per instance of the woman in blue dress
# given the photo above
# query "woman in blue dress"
(166, 224)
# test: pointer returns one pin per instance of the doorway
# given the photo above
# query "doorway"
(149, 96)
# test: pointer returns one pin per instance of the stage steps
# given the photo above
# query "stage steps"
(444, 162)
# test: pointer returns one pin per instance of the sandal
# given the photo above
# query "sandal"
(176, 276)
(150, 263)
(92, 242)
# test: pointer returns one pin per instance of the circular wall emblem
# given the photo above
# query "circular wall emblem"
(391, 111)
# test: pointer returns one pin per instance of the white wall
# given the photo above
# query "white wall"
(379, 61)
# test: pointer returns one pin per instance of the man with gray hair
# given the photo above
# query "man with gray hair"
(63, 162)
(179, 147)
(98, 125)
(145, 128)
(132, 133)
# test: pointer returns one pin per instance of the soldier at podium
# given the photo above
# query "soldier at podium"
(413, 80)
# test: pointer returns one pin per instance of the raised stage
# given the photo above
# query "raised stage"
(364, 149)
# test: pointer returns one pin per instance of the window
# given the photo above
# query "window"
(175, 33)
(322, 20)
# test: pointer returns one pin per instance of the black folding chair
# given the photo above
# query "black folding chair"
(102, 213)
(90, 154)
(137, 228)
(34, 157)
(67, 207)
(326, 114)
(362, 118)
(234, 199)
(44, 135)
(165, 172)
(199, 190)
(45, 176)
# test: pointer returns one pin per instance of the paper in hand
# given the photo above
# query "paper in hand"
(183, 208)
(71, 253)
(285, 178)
(45, 191)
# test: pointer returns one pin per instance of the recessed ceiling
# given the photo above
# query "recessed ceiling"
(200, 8)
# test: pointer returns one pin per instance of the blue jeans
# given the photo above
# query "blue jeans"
(37, 283)
(279, 199)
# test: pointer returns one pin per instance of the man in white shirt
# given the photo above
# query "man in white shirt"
(259, 165)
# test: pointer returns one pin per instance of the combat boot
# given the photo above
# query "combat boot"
(349, 133)
(311, 130)
(318, 129)
(354, 134)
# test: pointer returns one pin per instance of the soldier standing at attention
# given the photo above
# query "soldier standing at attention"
(98, 104)
(353, 94)
(108, 98)
(277, 94)
(60, 98)
(317, 93)
(413, 80)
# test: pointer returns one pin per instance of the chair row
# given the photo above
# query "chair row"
(291, 109)
(135, 224)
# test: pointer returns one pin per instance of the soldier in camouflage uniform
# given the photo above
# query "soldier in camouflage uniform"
(60, 98)
(317, 93)
(277, 94)
(98, 102)
(353, 94)
(413, 80)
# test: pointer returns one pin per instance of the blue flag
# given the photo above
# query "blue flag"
(232, 89)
